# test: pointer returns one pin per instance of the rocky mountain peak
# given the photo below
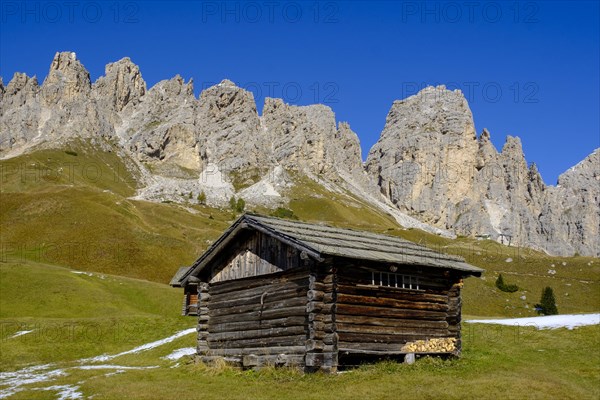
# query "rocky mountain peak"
(428, 162)
(20, 89)
(584, 175)
(424, 159)
(224, 98)
(121, 85)
(229, 127)
(67, 80)
(226, 83)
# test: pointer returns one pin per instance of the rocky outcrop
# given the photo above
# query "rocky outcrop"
(68, 81)
(428, 169)
(306, 138)
(161, 128)
(19, 112)
(423, 160)
(61, 108)
(570, 217)
(431, 165)
(229, 129)
(121, 85)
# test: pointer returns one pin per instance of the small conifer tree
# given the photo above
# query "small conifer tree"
(500, 282)
(240, 205)
(547, 304)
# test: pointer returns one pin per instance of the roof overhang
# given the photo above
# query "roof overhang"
(245, 222)
(188, 275)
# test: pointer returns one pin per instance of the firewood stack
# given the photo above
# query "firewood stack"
(436, 345)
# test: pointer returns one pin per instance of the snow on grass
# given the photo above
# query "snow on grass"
(20, 333)
(568, 321)
(65, 392)
(15, 382)
(82, 273)
(139, 349)
(26, 376)
(177, 354)
(110, 366)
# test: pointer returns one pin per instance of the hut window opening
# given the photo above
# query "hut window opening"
(391, 279)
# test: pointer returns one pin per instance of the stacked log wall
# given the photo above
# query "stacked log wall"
(202, 310)
(322, 340)
(376, 319)
(259, 321)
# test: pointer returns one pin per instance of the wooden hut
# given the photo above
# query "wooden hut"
(277, 292)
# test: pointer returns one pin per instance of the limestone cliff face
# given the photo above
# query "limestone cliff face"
(570, 216)
(19, 111)
(121, 85)
(306, 138)
(428, 164)
(161, 128)
(423, 160)
(62, 107)
(229, 129)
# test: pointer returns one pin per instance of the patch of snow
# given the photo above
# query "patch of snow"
(139, 349)
(568, 321)
(16, 381)
(82, 273)
(26, 376)
(20, 333)
(65, 392)
(109, 366)
(177, 354)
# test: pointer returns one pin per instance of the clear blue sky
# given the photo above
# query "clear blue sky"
(528, 68)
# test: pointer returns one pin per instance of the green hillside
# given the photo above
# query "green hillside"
(73, 317)
(72, 208)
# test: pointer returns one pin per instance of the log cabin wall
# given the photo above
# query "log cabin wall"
(375, 315)
(257, 321)
(322, 339)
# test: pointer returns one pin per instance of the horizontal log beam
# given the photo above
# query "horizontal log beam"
(265, 295)
(283, 360)
(273, 350)
(392, 293)
(296, 340)
(389, 312)
(259, 316)
(258, 324)
(390, 322)
(257, 333)
(381, 330)
(386, 302)
(299, 276)
(366, 338)
(267, 306)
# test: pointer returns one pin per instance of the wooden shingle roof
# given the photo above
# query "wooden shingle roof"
(320, 241)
